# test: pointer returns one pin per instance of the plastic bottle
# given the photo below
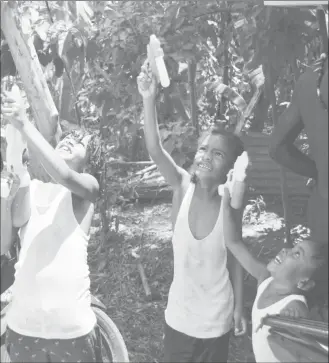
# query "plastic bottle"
(155, 55)
(236, 181)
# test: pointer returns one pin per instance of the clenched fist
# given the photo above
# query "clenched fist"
(146, 81)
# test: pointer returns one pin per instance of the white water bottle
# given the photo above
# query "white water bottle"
(236, 181)
(155, 56)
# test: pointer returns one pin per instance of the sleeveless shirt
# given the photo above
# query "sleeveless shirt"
(51, 292)
(200, 301)
(262, 350)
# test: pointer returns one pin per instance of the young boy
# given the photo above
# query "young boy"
(50, 318)
(307, 111)
(281, 284)
(201, 304)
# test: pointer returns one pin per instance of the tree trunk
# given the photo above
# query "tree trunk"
(35, 85)
(284, 193)
(191, 80)
(30, 71)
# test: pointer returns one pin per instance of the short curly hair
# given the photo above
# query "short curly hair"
(235, 142)
(94, 150)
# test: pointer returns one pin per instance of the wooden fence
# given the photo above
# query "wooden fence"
(264, 173)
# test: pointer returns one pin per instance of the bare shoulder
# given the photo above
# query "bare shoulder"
(83, 185)
(179, 193)
(295, 308)
(263, 277)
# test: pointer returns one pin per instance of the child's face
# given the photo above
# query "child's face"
(294, 264)
(214, 158)
(73, 151)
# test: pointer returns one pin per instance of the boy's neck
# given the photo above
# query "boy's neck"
(283, 287)
(205, 190)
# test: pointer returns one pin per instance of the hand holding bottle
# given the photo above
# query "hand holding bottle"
(146, 81)
(236, 181)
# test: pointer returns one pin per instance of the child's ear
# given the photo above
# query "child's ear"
(306, 284)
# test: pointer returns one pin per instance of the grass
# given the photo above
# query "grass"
(146, 232)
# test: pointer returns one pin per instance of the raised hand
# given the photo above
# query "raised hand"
(13, 110)
(146, 81)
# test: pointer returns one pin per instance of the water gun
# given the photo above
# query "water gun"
(155, 57)
(236, 181)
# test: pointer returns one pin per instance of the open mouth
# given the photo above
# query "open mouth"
(204, 166)
(64, 148)
(278, 260)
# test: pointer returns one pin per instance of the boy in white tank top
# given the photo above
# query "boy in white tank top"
(50, 318)
(282, 283)
(203, 305)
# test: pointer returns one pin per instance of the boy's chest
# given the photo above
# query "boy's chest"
(202, 217)
(267, 298)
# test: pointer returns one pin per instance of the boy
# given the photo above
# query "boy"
(308, 110)
(281, 284)
(50, 318)
(201, 304)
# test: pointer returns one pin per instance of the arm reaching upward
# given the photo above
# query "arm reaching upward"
(282, 148)
(233, 240)
(147, 85)
(81, 184)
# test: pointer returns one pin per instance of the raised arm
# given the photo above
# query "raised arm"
(282, 148)
(168, 168)
(80, 184)
(233, 240)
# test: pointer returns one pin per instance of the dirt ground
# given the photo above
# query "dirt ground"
(146, 231)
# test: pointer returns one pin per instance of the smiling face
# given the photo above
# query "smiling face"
(74, 151)
(295, 264)
(214, 158)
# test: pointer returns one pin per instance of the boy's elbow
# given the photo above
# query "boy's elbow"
(93, 193)
(84, 185)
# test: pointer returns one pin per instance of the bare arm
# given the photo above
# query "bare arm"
(21, 207)
(235, 268)
(6, 225)
(233, 240)
(81, 184)
(282, 148)
(236, 277)
(167, 166)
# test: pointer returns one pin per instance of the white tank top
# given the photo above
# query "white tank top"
(262, 350)
(200, 301)
(51, 292)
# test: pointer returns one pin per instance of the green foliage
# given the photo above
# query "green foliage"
(93, 51)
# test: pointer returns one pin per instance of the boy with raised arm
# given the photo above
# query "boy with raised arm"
(202, 304)
(50, 318)
(308, 111)
(281, 284)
